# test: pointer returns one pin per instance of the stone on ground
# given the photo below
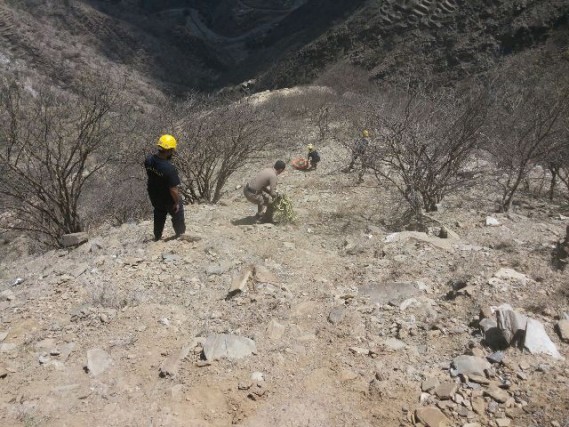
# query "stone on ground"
(383, 293)
(275, 330)
(537, 341)
(446, 391)
(225, 346)
(263, 275)
(337, 314)
(74, 239)
(239, 282)
(98, 361)
(432, 417)
(563, 329)
(171, 365)
(470, 365)
(511, 324)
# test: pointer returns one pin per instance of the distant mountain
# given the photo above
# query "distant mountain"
(181, 45)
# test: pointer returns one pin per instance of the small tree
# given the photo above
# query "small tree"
(425, 142)
(526, 127)
(563, 162)
(217, 142)
(50, 147)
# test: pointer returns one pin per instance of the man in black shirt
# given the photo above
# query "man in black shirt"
(163, 181)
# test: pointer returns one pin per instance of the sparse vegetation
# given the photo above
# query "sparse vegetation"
(218, 141)
(528, 126)
(424, 142)
(51, 145)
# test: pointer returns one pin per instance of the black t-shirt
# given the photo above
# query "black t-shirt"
(314, 156)
(162, 175)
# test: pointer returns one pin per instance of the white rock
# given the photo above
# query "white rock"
(239, 282)
(98, 361)
(537, 341)
(511, 275)
(258, 377)
(7, 347)
(233, 347)
(491, 221)
(394, 344)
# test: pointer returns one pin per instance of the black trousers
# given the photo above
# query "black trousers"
(178, 221)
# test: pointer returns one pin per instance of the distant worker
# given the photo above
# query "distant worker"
(359, 152)
(163, 181)
(263, 188)
(313, 157)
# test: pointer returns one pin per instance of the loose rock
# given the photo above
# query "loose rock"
(537, 341)
(563, 330)
(470, 365)
(227, 346)
(239, 282)
(337, 314)
(497, 394)
(446, 391)
(171, 365)
(98, 361)
(432, 417)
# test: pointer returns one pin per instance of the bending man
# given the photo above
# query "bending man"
(263, 188)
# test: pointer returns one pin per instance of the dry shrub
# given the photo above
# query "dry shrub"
(529, 119)
(426, 140)
(218, 142)
(51, 146)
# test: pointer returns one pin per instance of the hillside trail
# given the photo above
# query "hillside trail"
(347, 321)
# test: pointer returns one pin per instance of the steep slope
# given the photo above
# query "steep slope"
(445, 39)
(351, 323)
(57, 42)
(182, 45)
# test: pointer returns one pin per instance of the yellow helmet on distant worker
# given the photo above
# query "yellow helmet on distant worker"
(310, 147)
(365, 133)
(167, 142)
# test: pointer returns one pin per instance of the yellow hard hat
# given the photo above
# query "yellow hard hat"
(167, 142)
(310, 147)
(365, 133)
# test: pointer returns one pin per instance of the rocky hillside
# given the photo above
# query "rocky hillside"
(182, 45)
(447, 40)
(336, 320)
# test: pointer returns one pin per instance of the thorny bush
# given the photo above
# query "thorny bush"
(424, 142)
(217, 142)
(51, 145)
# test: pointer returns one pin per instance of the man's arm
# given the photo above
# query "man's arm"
(176, 197)
(273, 186)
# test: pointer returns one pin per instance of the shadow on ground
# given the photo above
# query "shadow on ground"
(248, 220)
